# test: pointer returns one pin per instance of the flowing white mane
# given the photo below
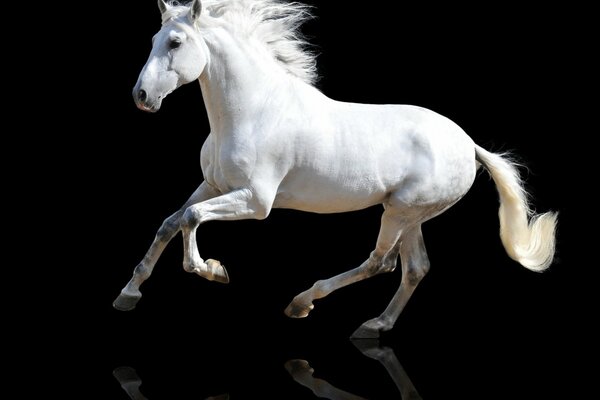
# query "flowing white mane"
(272, 22)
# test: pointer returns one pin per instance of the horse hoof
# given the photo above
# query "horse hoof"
(295, 310)
(294, 367)
(364, 332)
(219, 273)
(126, 302)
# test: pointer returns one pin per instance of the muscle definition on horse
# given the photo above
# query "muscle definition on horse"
(278, 142)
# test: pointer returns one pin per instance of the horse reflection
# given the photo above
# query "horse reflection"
(131, 382)
(303, 374)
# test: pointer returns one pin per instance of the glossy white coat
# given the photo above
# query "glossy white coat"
(277, 141)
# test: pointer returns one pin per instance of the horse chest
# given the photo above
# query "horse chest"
(228, 164)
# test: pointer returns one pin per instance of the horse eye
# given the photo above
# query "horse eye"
(175, 43)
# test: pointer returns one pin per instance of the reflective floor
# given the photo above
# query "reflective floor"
(172, 358)
(302, 373)
(472, 335)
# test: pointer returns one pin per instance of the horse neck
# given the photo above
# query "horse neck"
(237, 80)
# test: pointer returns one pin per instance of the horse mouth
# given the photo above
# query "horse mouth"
(147, 107)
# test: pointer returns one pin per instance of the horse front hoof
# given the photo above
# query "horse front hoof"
(126, 302)
(295, 310)
(218, 271)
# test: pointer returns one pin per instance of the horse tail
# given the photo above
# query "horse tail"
(528, 238)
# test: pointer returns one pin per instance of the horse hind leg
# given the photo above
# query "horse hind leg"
(415, 265)
(382, 259)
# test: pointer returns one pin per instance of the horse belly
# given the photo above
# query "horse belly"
(325, 195)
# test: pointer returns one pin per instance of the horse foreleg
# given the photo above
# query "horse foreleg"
(415, 265)
(237, 205)
(131, 294)
(382, 259)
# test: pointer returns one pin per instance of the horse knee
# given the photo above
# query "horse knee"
(191, 218)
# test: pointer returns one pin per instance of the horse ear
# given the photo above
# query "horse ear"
(162, 6)
(196, 9)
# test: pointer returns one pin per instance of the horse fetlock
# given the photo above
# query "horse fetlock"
(318, 288)
(193, 265)
(142, 272)
(365, 332)
(372, 328)
(212, 270)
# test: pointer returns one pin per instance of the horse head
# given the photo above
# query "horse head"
(178, 56)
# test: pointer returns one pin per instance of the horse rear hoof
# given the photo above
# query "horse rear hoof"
(125, 302)
(364, 332)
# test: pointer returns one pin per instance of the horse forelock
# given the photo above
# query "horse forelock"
(274, 23)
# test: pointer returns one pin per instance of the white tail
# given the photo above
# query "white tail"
(527, 237)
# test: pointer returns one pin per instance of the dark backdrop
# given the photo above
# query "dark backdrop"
(478, 324)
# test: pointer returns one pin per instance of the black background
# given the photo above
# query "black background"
(478, 325)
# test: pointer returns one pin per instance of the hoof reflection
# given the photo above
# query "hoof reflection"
(302, 373)
(131, 382)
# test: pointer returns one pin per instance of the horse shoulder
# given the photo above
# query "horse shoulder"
(207, 153)
(220, 167)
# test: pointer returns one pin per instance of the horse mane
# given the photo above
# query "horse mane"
(274, 23)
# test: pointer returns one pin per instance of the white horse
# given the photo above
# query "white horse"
(277, 141)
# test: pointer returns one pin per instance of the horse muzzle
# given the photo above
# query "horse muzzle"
(142, 101)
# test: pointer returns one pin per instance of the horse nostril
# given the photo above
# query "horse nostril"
(142, 95)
